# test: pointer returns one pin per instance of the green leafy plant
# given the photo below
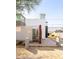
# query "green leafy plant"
(28, 5)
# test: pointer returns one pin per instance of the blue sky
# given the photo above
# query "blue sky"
(53, 10)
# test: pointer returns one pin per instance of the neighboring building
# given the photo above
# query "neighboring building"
(22, 31)
(53, 29)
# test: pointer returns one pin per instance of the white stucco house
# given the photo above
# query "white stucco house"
(24, 28)
(34, 23)
(27, 29)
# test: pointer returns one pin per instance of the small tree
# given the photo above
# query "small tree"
(28, 5)
(22, 5)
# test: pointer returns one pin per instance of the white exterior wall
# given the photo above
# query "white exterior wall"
(37, 22)
(23, 33)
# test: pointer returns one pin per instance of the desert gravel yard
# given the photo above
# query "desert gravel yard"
(39, 53)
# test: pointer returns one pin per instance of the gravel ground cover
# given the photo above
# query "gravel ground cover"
(39, 53)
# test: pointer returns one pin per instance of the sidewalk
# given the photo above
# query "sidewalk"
(45, 42)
